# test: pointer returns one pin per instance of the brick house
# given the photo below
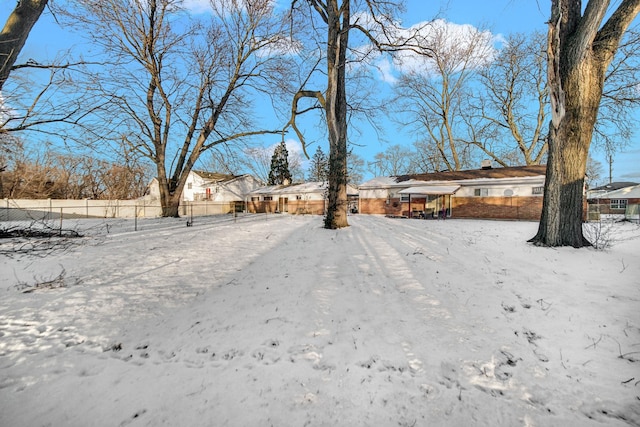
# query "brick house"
(617, 202)
(499, 193)
(306, 198)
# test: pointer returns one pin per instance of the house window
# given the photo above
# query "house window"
(267, 198)
(298, 197)
(189, 185)
(404, 197)
(255, 198)
(537, 190)
(481, 192)
(618, 203)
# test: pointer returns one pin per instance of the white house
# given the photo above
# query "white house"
(211, 187)
(218, 187)
(305, 198)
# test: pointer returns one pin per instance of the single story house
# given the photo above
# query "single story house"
(620, 202)
(500, 193)
(305, 198)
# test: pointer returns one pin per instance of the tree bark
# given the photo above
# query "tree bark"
(578, 57)
(15, 33)
(338, 21)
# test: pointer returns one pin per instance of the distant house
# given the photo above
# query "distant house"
(218, 187)
(617, 200)
(306, 198)
(213, 187)
(501, 193)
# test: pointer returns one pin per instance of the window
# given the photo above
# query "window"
(255, 198)
(618, 203)
(404, 197)
(298, 197)
(481, 192)
(189, 185)
(537, 190)
(267, 198)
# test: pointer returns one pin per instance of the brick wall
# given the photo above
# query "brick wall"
(528, 208)
(262, 206)
(604, 206)
(307, 207)
(381, 207)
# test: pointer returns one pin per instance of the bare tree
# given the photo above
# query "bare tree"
(48, 100)
(15, 33)
(43, 96)
(395, 160)
(355, 166)
(593, 172)
(580, 49)
(432, 92)
(620, 96)
(178, 89)
(374, 20)
(62, 175)
(508, 118)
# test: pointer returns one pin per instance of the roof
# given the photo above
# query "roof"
(531, 172)
(489, 173)
(306, 187)
(612, 186)
(623, 193)
(431, 189)
(214, 176)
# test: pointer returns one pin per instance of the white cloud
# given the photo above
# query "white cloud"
(472, 47)
(197, 6)
(475, 47)
(386, 69)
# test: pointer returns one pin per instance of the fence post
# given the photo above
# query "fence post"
(61, 220)
(135, 217)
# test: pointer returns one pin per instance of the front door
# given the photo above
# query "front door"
(284, 204)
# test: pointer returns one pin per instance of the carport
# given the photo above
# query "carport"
(440, 204)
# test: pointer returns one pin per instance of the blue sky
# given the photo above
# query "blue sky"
(498, 16)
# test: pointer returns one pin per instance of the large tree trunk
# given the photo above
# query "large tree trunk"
(578, 56)
(169, 201)
(15, 33)
(336, 113)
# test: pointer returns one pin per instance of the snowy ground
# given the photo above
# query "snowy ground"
(276, 321)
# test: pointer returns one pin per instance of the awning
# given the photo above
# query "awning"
(432, 190)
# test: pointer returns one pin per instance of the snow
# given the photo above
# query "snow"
(273, 320)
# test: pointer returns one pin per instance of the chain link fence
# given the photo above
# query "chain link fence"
(54, 209)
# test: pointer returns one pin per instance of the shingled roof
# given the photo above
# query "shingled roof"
(489, 173)
(214, 176)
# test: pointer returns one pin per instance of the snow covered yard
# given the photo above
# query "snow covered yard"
(279, 322)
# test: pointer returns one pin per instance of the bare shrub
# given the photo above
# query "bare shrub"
(599, 234)
(59, 281)
(38, 238)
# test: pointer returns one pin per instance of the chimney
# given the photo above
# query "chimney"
(486, 164)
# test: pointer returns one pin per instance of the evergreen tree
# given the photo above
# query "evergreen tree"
(279, 173)
(319, 167)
